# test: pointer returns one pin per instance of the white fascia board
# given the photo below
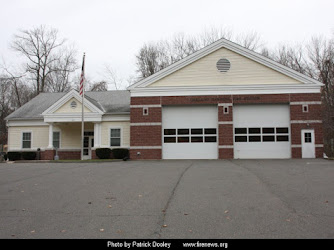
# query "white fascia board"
(70, 117)
(233, 47)
(26, 123)
(227, 90)
(72, 94)
(107, 118)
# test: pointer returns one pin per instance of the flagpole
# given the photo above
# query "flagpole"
(82, 108)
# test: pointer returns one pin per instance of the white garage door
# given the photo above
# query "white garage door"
(261, 131)
(190, 132)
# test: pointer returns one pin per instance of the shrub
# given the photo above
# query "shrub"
(103, 153)
(29, 155)
(120, 153)
(14, 156)
(5, 157)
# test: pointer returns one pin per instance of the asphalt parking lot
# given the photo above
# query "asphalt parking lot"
(168, 199)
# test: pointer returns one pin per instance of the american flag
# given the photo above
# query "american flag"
(82, 77)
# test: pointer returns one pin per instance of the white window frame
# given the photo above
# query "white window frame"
(145, 108)
(59, 138)
(305, 106)
(31, 136)
(121, 136)
(226, 110)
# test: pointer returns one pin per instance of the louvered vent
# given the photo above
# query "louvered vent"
(73, 104)
(223, 65)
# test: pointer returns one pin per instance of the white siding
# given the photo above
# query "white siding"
(243, 71)
(105, 134)
(66, 108)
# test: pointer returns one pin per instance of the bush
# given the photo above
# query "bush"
(120, 153)
(29, 155)
(14, 156)
(5, 157)
(103, 153)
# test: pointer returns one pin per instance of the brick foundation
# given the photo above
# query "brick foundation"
(47, 154)
(69, 155)
(153, 154)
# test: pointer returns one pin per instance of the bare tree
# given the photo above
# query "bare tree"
(99, 86)
(41, 47)
(155, 56)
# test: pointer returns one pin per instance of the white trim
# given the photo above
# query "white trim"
(110, 118)
(97, 135)
(319, 145)
(146, 106)
(26, 123)
(121, 135)
(223, 43)
(303, 108)
(147, 111)
(31, 139)
(305, 121)
(225, 104)
(146, 147)
(225, 146)
(226, 90)
(225, 122)
(72, 94)
(296, 146)
(305, 103)
(145, 124)
(72, 117)
(50, 144)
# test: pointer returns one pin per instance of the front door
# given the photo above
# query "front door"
(88, 143)
(308, 145)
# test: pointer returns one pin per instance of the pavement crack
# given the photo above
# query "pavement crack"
(161, 223)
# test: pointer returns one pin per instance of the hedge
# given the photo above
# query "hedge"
(120, 153)
(29, 155)
(14, 156)
(103, 153)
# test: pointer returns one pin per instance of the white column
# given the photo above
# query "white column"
(97, 134)
(50, 135)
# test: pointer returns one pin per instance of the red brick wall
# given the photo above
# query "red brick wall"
(226, 153)
(47, 154)
(145, 136)
(153, 154)
(154, 115)
(69, 155)
(225, 134)
(305, 97)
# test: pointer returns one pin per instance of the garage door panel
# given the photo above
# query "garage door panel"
(190, 132)
(261, 131)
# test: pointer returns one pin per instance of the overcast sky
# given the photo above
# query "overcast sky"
(112, 31)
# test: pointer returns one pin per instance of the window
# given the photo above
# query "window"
(26, 140)
(308, 137)
(240, 138)
(190, 135)
(210, 131)
(305, 108)
(56, 139)
(282, 130)
(196, 131)
(265, 134)
(169, 139)
(115, 137)
(183, 131)
(254, 131)
(268, 130)
(145, 111)
(240, 130)
(89, 133)
(169, 131)
(225, 109)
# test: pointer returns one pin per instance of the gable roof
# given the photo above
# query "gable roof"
(223, 43)
(110, 102)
